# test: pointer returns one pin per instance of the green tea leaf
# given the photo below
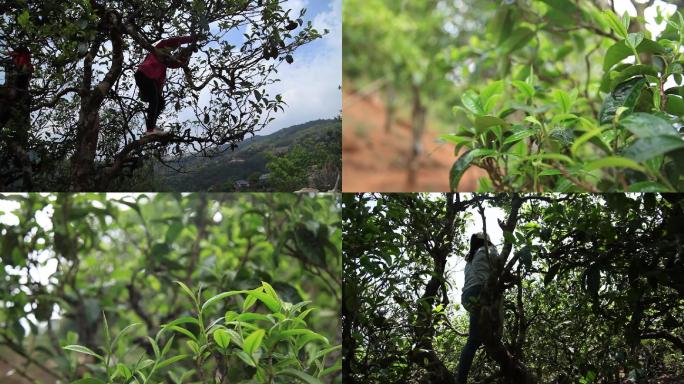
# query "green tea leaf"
(124, 332)
(647, 125)
(193, 346)
(124, 371)
(82, 349)
(484, 122)
(182, 320)
(303, 331)
(221, 338)
(519, 135)
(649, 147)
(563, 100)
(182, 330)
(625, 95)
(302, 376)
(155, 347)
(218, 297)
(615, 24)
(455, 139)
(459, 168)
(630, 72)
(634, 39)
(273, 304)
(619, 51)
(614, 161)
(492, 89)
(253, 341)
(172, 360)
(246, 358)
(550, 172)
(187, 290)
(270, 291)
(525, 88)
(471, 101)
(587, 136)
(675, 105)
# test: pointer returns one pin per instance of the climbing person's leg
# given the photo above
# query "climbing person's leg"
(143, 83)
(469, 300)
(153, 111)
(22, 81)
(159, 107)
(8, 94)
(150, 93)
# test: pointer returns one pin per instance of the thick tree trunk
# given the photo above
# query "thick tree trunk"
(390, 105)
(419, 116)
(83, 175)
(83, 161)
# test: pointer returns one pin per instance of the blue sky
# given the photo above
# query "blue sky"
(310, 85)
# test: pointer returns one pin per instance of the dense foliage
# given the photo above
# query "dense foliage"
(592, 288)
(314, 162)
(170, 288)
(85, 116)
(546, 94)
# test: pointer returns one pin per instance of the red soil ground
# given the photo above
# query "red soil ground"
(375, 161)
(8, 375)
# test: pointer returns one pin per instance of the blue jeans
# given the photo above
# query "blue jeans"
(469, 301)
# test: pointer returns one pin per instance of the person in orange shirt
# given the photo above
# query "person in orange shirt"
(150, 78)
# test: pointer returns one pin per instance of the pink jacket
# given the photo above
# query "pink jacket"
(155, 69)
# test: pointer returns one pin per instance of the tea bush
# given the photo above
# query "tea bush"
(67, 259)
(545, 124)
(273, 347)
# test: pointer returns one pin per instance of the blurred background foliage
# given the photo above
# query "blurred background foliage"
(67, 258)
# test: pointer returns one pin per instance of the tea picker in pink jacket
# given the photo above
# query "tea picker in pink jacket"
(151, 75)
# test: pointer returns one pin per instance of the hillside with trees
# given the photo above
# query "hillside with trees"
(301, 156)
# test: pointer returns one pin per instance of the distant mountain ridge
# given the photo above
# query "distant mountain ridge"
(247, 162)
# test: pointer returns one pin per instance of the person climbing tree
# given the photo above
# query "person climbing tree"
(481, 259)
(15, 117)
(14, 94)
(151, 75)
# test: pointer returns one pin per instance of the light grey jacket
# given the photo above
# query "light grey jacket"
(478, 269)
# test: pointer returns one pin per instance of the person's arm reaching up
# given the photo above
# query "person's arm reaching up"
(175, 42)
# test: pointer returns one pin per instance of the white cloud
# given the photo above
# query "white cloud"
(310, 85)
(296, 6)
